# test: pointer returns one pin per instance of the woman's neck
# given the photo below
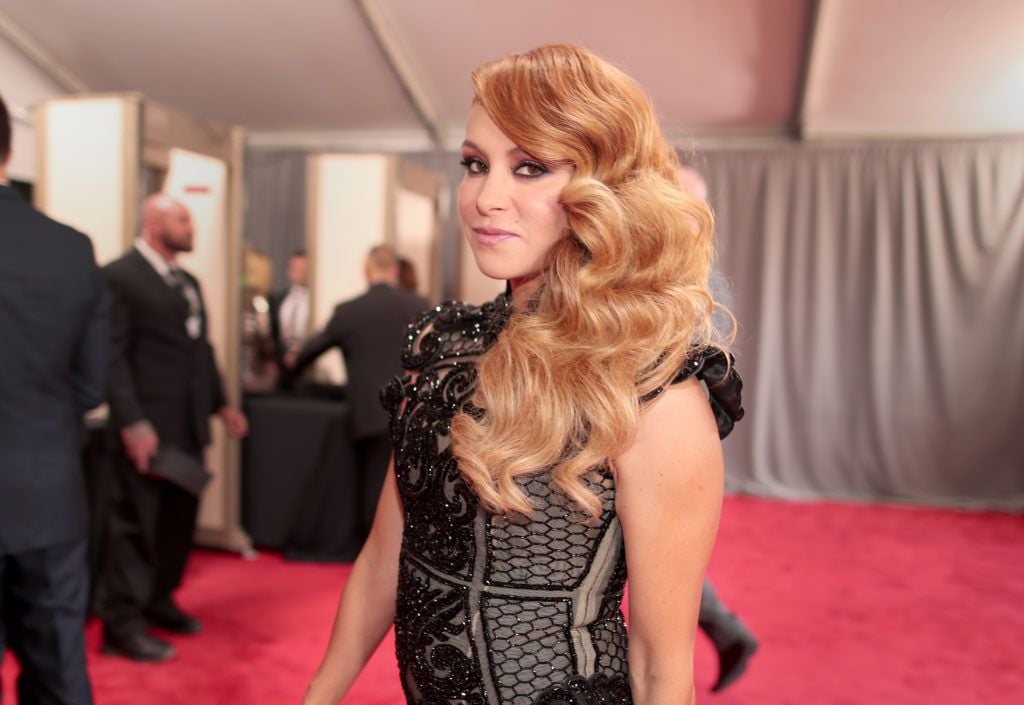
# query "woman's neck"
(522, 289)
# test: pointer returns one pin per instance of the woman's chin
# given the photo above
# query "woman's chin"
(495, 270)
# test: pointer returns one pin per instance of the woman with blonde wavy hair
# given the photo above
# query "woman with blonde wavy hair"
(555, 441)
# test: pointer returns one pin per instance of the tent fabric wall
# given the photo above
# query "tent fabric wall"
(275, 217)
(879, 290)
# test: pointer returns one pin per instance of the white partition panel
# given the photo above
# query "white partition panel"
(23, 85)
(415, 234)
(348, 209)
(83, 175)
(201, 182)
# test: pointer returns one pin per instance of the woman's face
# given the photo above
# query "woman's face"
(508, 202)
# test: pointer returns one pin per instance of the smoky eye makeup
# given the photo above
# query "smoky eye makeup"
(473, 165)
(530, 168)
(525, 167)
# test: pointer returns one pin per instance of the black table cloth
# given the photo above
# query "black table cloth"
(300, 490)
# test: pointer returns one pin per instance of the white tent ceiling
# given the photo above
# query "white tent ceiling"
(393, 72)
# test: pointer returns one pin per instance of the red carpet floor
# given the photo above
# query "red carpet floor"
(854, 604)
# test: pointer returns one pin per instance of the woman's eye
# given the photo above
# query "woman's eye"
(473, 165)
(530, 169)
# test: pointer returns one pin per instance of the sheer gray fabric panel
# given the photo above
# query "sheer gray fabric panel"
(275, 217)
(880, 294)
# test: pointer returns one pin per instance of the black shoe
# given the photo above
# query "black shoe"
(170, 618)
(137, 646)
(732, 661)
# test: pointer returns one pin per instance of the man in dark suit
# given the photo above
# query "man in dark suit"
(289, 308)
(55, 332)
(370, 331)
(164, 385)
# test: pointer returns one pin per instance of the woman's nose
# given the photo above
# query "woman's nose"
(493, 194)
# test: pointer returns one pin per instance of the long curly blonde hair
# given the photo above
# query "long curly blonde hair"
(624, 294)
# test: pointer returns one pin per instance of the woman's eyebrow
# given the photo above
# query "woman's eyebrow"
(515, 150)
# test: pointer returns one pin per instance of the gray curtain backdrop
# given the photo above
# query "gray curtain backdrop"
(275, 213)
(880, 294)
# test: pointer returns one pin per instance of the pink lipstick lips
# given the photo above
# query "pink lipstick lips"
(491, 236)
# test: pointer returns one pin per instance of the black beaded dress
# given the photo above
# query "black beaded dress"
(496, 610)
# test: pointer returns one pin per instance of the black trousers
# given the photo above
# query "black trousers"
(147, 541)
(43, 597)
(373, 453)
(716, 621)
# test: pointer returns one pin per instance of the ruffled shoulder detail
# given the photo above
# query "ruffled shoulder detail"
(716, 369)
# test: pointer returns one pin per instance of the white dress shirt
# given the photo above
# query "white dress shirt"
(293, 317)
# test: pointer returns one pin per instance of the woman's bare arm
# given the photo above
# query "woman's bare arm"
(669, 495)
(367, 607)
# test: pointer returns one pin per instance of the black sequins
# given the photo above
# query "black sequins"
(494, 610)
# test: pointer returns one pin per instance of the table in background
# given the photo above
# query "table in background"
(300, 491)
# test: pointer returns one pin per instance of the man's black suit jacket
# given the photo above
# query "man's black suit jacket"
(274, 302)
(370, 330)
(54, 346)
(157, 371)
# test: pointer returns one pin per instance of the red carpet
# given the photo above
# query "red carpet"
(852, 603)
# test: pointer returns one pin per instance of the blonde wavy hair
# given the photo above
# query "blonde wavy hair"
(623, 298)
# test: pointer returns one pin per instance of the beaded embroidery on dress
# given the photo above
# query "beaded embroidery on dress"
(494, 610)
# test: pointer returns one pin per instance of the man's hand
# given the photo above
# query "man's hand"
(140, 443)
(235, 421)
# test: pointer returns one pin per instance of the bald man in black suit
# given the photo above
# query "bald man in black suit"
(164, 386)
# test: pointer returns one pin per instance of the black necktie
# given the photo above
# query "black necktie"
(180, 283)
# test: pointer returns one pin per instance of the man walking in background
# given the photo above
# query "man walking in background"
(370, 331)
(55, 332)
(732, 639)
(164, 385)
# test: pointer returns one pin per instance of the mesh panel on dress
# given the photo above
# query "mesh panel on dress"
(553, 547)
(528, 644)
(609, 639)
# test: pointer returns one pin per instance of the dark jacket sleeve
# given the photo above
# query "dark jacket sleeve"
(274, 304)
(319, 343)
(124, 399)
(91, 365)
(209, 360)
(217, 396)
